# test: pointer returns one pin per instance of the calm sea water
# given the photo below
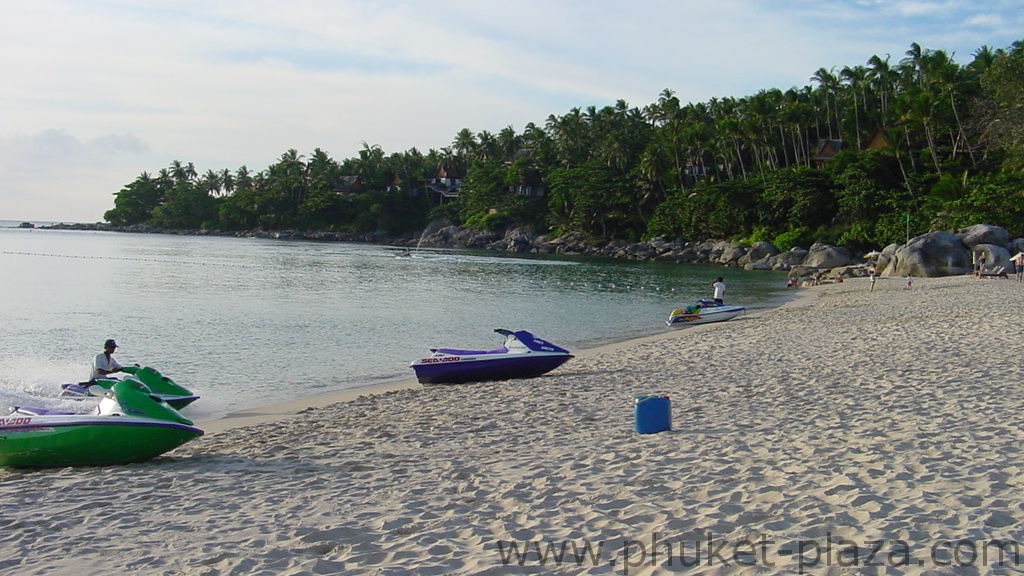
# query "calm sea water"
(249, 322)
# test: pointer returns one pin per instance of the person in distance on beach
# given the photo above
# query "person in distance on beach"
(104, 365)
(719, 286)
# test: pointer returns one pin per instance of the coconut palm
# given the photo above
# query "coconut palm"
(827, 85)
(855, 78)
(882, 80)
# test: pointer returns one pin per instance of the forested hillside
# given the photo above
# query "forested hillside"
(862, 155)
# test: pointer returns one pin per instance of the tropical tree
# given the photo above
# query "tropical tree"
(828, 85)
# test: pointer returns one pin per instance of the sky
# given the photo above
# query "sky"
(97, 92)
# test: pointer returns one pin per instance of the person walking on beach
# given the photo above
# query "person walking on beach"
(1018, 265)
(910, 281)
(719, 286)
(871, 277)
(104, 365)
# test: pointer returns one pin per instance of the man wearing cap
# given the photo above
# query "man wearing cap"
(105, 365)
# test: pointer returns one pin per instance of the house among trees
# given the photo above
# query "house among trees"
(528, 190)
(349, 186)
(394, 183)
(878, 140)
(530, 185)
(446, 182)
(827, 149)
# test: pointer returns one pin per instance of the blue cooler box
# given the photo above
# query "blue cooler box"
(653, 414)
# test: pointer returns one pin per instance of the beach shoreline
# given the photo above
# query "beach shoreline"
(289, 409)
(881, 425)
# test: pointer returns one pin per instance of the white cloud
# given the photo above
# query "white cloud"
(921, 8)
(43, 174)
(985, 20)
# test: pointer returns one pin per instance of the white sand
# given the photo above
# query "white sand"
(893, 415)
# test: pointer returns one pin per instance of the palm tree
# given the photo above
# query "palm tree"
(211, 183)
(183, 173)
(855, 77)
(983, 59)
(912, 61)
(465, 144)
(666, 116)
(570, 136)
(290, 173)
(227, 181)
(918, 107)
(945, 75)
(508, 142)
(797, 111)
(827, 84)
(487, 145)
(881, 78)
(243, 178)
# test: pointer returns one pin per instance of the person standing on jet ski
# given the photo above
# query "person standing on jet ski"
(104, 365)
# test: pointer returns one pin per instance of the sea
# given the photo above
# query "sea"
(247, 322)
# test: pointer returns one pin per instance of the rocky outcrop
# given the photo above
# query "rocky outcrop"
(992, 255)
(931, 254)
(827, 256)
(984, 234)
(456, 237)
(515, 242)
(788, 259)
(759, 252)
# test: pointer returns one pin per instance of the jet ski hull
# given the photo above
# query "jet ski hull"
(129, 425)
(57, 441)
(704, 315)
(522, 356)
(461, 369)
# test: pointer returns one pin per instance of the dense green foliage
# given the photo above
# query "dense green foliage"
(924, 144)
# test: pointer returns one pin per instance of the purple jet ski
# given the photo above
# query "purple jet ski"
(523, 355)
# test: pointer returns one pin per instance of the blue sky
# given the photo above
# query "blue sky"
(97, 92)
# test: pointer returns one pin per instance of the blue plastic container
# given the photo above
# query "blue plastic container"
(653, 414)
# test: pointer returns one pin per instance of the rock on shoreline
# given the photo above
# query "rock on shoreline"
(933, 254)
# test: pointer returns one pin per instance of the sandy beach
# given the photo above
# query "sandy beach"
(846, 432)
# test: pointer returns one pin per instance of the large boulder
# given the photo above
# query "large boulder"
(456, 237)
(882, 260)
(515, 240)
(984, 234)
(732, 254)
(640, 251)
(929, 255)
(827, 256)
(759, 252)
(663, 245)
(788, 259)
(711, 250)
(994, 256)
